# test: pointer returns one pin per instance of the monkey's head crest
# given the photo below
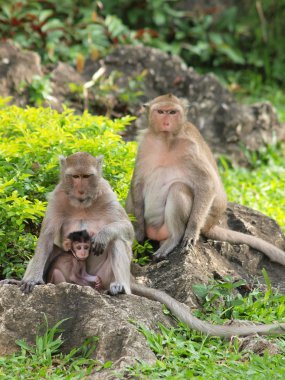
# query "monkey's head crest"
(80, 161)
(167, 100)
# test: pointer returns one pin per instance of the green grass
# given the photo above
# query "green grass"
(185, 354)
(261, 186)
(45, 361)
(182, 354)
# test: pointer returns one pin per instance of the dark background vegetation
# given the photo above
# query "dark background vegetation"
(239, 40)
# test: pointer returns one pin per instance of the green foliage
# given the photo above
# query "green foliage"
(241, 41)
(261, 186)
(184, 354)
(39, 90)
(220, 296)
(31, 141)
(63, 30)
(247, 37)
(221, 300)
(142, 252)
(44, 360)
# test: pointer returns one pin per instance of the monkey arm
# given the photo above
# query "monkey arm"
(35, 269)
(117, 230)
(138, 209)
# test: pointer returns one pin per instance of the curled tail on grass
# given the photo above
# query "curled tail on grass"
(183, 313)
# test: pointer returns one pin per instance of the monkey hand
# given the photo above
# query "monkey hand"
(98, 284)
(99, 243)
(27, 286)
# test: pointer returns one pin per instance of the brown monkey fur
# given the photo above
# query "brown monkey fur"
(176, 192)
(70, 265)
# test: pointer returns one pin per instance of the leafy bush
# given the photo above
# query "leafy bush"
(236, 39)
(242, 43)
(31, 141)
(61, 30)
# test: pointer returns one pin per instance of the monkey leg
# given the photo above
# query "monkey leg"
(120, 258)
(201, 206)
(57, 277)
(176, 215)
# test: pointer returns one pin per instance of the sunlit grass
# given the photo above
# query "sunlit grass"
(262, 186)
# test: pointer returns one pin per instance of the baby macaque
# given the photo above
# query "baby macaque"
(70, 266)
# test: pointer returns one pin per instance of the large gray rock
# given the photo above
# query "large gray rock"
(88, 314)
(225, 124)
(17, 69)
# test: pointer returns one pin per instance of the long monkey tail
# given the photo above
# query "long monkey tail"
(183, 313)
(274, 253)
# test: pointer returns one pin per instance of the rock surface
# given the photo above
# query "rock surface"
(88, 314)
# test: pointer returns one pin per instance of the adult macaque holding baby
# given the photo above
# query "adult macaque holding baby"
(83, 199)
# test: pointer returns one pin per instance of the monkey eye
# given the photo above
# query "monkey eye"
(86, 176)
(172, 112)
(75, 176)
(161, 112)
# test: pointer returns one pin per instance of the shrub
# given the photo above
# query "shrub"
(31, 141)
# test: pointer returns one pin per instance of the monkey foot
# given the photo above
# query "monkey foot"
(188, 244)
(116, 288)
(159, 256)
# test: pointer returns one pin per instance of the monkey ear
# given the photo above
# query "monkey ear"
(62, 160)
(66, 244)
(146, 105)
(99, 163)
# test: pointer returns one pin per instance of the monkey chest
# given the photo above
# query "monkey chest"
(82, 222)
(162, 177)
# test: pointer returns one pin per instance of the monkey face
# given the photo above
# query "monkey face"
(82, 187)
(81, 250)
(81, 174)
(166, 118)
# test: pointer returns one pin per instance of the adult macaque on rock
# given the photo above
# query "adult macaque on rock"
(176, 192)
(70, 266)
(83, 199)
